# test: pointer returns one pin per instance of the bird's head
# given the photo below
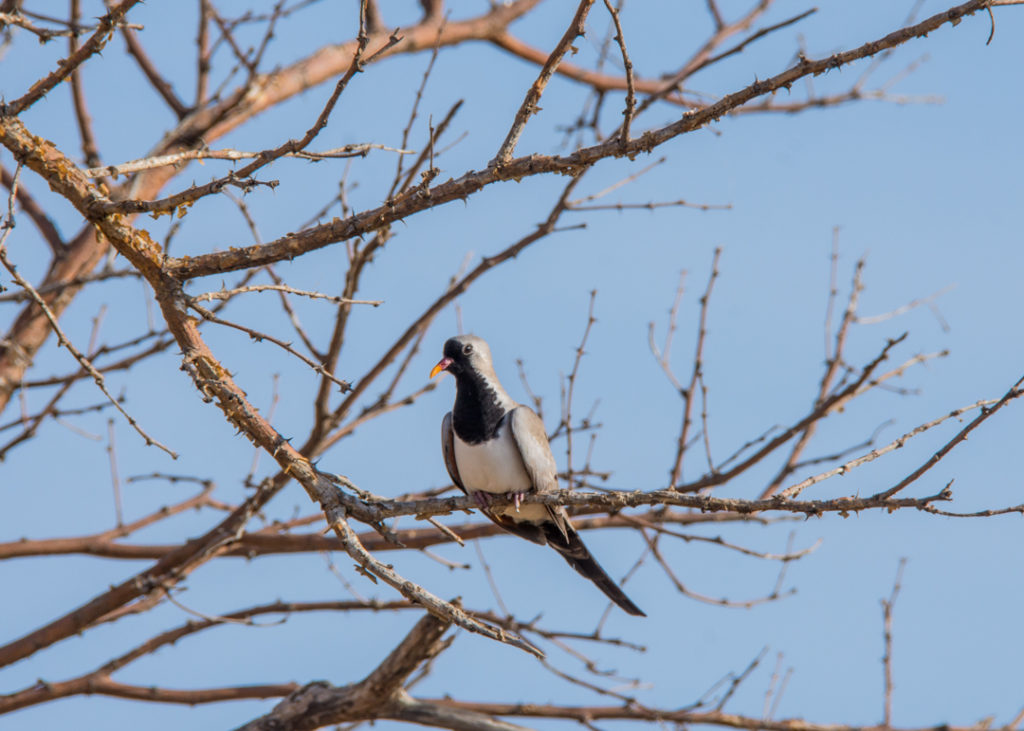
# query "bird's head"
(464, 354)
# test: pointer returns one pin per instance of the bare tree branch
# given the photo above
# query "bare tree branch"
(522, 167)
(320, 704)
(92, 46)
(529, 106)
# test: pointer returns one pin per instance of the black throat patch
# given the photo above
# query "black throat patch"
(477, 413)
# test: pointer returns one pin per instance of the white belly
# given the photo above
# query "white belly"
(494, 466)
(497, 467)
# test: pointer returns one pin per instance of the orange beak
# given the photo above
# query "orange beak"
(441, 366)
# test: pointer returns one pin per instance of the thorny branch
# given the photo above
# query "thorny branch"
(62, 338)
(518, 168)
(577, 27)
(93, 45)
(106, 214)
(151, 163)
(227, 110)
(279, 540)
(243, 177)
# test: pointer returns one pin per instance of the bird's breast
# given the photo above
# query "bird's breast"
(492, 466)
(495, 466)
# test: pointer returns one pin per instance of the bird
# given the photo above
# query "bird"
(495, 446)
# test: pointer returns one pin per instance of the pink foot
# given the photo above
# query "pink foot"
(516, 498)
(482, 499)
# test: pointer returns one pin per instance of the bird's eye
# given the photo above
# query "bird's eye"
(467, 348)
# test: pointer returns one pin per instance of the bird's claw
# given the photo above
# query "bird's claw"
(482, 499)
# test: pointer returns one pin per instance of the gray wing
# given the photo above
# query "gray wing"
(532, 441)
(448, 450)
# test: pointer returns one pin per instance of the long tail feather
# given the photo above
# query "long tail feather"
(576, 554)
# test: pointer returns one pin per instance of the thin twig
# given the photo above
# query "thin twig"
(203, 54)
(242, 176)
(529, 106)
(1015, 392)
(737, 680)
(371, 567)
(260, 336)
(490, 580)
(293, 317)
(226, 294)
(20, 18)
(794, 490)
(95, 44)
(156, 79)
(663, 355)
(653, 205)
(627, 64)
(89, 149)
(789, 555)
(268, 34)
(833, 361)
(689, 393)
(873, 319)
(571, 388)
(887, 606)
(257, 452)
(717, 601)
(115, 480)
(39, 218)
(62, 339)
(576, 205)
(415, 109)
(177, 158)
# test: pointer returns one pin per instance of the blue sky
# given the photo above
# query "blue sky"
(929, 193)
